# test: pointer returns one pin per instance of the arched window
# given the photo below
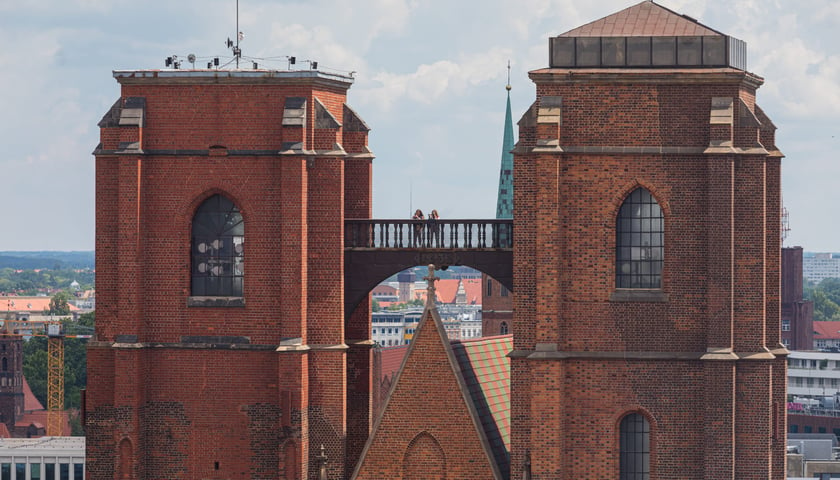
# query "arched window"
(126, 460)
(634, 463)
(218, 244)
(639, 242)
(503, 328)
(424, 459)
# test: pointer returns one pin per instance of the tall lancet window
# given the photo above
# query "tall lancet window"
(634, 439)
(218, 247)
(639, 242)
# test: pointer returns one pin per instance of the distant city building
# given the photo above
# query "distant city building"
(813, 374)
(45, 458)
(406, 288)
(812, 455)
(821, 266)
(814, 394)
(797, 313)
(393, 328)
(826, 335)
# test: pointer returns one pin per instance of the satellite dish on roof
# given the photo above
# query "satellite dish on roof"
(191, 59)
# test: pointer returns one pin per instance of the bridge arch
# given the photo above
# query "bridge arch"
(376, 249)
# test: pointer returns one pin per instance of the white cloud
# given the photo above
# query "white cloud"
(430, 82)
(313, 43)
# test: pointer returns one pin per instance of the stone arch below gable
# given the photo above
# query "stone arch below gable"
(424, 459)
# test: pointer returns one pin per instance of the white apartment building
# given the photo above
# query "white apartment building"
(813, 374)
(44, 458)
(821, 266)
(392, 328)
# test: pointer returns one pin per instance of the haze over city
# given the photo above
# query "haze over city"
(430, 79)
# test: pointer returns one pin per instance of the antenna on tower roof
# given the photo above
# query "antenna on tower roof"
(237, 52)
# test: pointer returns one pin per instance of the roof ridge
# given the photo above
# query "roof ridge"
(627, 20)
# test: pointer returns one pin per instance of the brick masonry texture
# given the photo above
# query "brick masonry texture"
(700, 358)
(169, 401)
(612, 355)
(426, 430)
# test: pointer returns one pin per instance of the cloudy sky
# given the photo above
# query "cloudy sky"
(430, 82)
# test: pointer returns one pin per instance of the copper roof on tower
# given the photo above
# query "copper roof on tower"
(646, 35)
(645, 19)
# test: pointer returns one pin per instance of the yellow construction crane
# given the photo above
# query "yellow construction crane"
(55, 380)
(55, 365)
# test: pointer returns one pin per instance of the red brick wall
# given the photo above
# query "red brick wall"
(427, 424)
(211, 407)
(495, 308)
(585, 357)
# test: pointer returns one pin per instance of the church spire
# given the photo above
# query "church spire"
(504, 203)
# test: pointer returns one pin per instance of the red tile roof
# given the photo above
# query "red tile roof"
(645, 19)
(4, 431)
(383, 290)
(392, 358)
(447, 289)
(827, 330)
(28, 304)
(30, 401)
(486, 370)
(39, 420)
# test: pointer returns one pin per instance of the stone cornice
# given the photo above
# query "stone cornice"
(232, 77)
(540, 354)
(644, 150)
(670, 76)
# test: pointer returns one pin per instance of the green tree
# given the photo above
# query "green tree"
(35, 358)
(59, 304)
(35, 367)
(374, 305)
(826, 298)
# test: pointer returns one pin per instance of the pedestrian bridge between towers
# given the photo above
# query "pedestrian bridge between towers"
(376, 249)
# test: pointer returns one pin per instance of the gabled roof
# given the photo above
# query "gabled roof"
(447, 289)
(432, 398)
(645, 19)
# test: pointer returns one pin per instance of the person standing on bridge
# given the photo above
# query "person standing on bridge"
(434, 229)
(418, 227)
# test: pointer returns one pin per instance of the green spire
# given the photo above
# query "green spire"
(504, 203)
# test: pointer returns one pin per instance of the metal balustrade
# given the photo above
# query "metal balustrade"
(428, 234)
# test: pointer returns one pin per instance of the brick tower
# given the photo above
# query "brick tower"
(647, 259)
(11, 376)
(222, 348)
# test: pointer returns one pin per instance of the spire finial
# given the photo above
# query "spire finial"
(430, 291)
(508, 87)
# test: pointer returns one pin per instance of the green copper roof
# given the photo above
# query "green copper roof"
(504, 203)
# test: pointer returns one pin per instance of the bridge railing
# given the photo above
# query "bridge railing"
(426, 234)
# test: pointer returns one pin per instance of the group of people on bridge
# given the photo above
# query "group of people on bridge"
(428, 235)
